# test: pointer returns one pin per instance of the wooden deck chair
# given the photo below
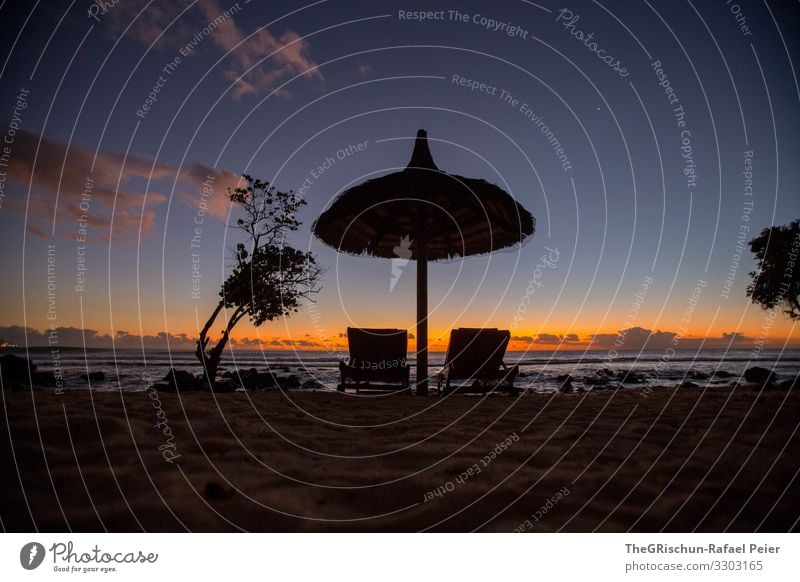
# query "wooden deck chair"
(377, 360)
(475, 357)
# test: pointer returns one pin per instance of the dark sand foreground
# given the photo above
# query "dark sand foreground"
(726, 459)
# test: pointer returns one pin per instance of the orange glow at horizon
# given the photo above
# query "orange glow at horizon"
(786, 334)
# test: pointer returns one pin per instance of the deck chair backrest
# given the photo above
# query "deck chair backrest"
(377, 347)
(475, 350)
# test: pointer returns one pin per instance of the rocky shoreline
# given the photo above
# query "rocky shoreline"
(19, 373)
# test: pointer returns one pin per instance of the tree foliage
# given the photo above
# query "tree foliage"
(270, 279)
(776, 280)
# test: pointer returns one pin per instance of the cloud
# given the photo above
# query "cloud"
(637, 338)
(255, 62)
(363, 69)
(305, 344)
(634, 338)
(145, 22)
(547, 338)
(735, 337)
(220, 181)
(107, 189)
(284, 57)
(246, 342)
(76, 337)
(298, 343)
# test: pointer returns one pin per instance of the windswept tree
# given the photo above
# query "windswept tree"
(270, 279)
(776, 280)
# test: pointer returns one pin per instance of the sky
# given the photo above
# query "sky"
(651, 141)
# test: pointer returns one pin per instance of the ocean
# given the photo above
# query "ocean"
(123, 369)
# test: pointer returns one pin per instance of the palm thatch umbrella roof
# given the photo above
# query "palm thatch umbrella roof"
(458, 216)
(441, 215)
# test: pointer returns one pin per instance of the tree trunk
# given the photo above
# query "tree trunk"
(210, 359)
(209, 366)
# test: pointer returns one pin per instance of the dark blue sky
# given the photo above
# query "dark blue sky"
(620, 200)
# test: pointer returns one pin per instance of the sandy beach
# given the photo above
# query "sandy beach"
(674, 460)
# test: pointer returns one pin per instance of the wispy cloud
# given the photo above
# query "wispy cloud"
(59, 175)
(255, 62)
(363, 69)
(145, 22)
(636, 338)
(91, 338)
(260, 61)
(547, 338)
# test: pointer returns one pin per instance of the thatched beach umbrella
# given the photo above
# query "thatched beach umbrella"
(440, 216)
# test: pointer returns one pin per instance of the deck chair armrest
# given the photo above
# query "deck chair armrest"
(443, 372)
(512, 373)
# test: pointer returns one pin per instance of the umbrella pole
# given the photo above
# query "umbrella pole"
(422, 318)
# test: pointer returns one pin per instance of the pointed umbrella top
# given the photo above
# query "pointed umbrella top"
(422, 158)
(457, 216)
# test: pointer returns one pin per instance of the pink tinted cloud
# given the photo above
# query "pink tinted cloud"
(58, 175)
(286, 56)
(145, 22)
(220, 180)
